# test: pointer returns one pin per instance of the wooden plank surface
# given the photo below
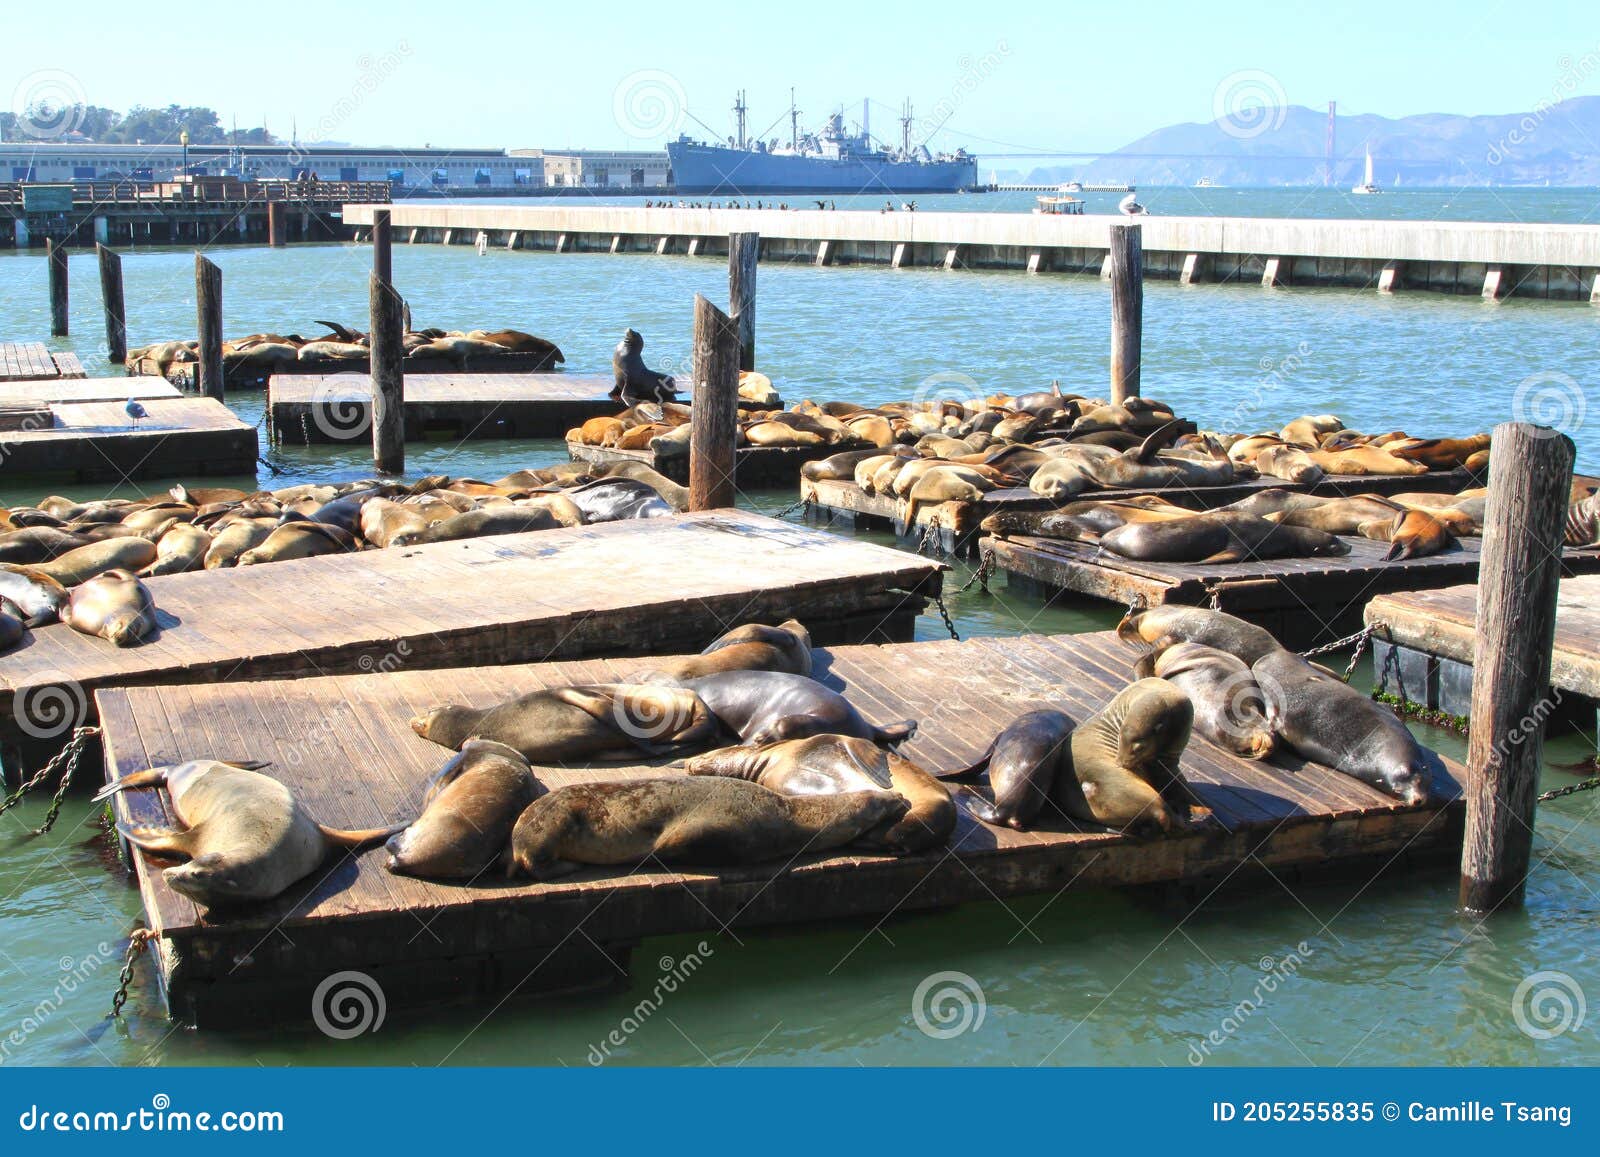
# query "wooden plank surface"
(22, 360)
(447, 387)
(1443, 623)
(97, 440)
(343, 744)
(88, 389)
(618, 588)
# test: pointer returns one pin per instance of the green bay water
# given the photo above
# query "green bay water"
(1384, 970)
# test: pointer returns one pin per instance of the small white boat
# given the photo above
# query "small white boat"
(1367, 185)
(1206, 183)
(1059, 206)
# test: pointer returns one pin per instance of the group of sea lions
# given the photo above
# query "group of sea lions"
(266, 353)
(663, 426)
(81, 562)
(1316, 445)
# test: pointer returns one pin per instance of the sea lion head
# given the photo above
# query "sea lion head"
(448, 725)
(632, 342)
(125, 628)
(210, 879)
(1157, 723)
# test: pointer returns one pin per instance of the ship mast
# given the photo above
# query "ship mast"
(866, 123)
(794, 123)
(905, 128)
(739, 109)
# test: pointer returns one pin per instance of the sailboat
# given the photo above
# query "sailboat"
(1366, 185)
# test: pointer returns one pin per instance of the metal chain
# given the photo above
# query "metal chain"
(1361, 639)
(981, 575)
(67, 757)
(944, 613)
(1570, 789)
(803, 504)
(930, 537)
(137, 943)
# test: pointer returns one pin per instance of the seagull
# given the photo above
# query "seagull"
(135, 411)
(1130, 207)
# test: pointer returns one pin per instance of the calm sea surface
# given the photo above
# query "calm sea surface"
(1390, 973)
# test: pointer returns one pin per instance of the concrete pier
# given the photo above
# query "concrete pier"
(1559, 262)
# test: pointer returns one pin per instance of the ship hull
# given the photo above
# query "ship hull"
(709, 170)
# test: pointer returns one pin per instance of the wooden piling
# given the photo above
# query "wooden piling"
(56, 253)
(1530, 478)
(1127, 309)
(715, 408)
(111, 297)
(275, 224)
(382, 247)
(743, 251)
(208, 316)
(388, 379)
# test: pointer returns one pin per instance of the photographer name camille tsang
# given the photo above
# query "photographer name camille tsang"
(1490, 1112)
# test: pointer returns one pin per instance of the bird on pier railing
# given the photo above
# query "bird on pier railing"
(135, 411)
(1130, 207)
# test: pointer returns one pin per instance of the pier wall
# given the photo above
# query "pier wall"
(1494, 259)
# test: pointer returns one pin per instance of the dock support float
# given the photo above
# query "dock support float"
(661, 246)
(275, 224)
(512, 238)
(616, 243)
(824, 253)
(1492, 283)
(561, 242)
(951, 256)
(1193, 270)
(1389, 278)
(387, 341)
(111, 298)
(1269, 273)
(1127, 309)
(902, 254)
(714, 410)
(744, 249)
(208, 314)
(1034, 260)
(1529, 485)
(56, 254)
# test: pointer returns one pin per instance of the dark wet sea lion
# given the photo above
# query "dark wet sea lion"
(11, 630)
(616, 499)
(38, 597)
(1125, 758)
(593, 720)
(246, 835)
(1023, 763)
(830, 764)
(751, 647)
(636, 382)
(114, 605)
(35, 544)
(1327, 721)
(468, 815)
(1217, 629)
(1228, 706)
(767, 706)
(682, 819)
(1218, 537)
(128, 553)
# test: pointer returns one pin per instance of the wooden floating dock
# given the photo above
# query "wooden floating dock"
(248, 377)
(755, 467)
(81, 389)
(343, 745)
(97, 441)
(1304, 601)
(1431, 634)
(337, 407)
(617, 588)
(954, 525)
(30, 360)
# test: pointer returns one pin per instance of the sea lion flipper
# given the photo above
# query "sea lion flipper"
(247, 764)
(357, 839)
(156, 841)
(154, 777)
(972, 770)
(585, 699)
(1230, 554)
(892, 734)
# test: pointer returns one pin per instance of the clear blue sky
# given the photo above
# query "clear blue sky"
(1054, 73)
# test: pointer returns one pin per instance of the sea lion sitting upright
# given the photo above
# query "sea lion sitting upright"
(1326, 720)
(114, 605)
(1242, 640)
(246, 835)
(686, 820)
(1125, 761)
(1023, 762)
(751, 647)
(767, 706)
(635, 382)
(1228, 706)
(831, 764)
(466, 820)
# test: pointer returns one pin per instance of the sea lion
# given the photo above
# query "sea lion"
(113, 605)
(635, 382)
(1288, 462)
(237, 538)
(1329, 722)
(1410, 534)
(830, 764)
(1228, 706)
(11, 631)
(1125, 758)
(1311, 429)
(756, 389)
(944, 484)
(456, 347)
(298, 540)
(768, 706)
(467, 817)
(479, 524)
(1335, 515)
(1242, 640)
(183, 548)
(246, 835)
(1439, 453)
(37, 597)
(1582, 526)
(751, 647)
(618, 499)
(517, 342)
(1364, 460)
(838, 466)
(604, 720)
(682, 819)
(127, 553)
(1023, 762)
(34, 544)
(1218, 537)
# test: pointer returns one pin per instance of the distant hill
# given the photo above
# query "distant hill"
(1555, 145)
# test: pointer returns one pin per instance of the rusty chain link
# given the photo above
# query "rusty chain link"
(66, 761)
(137, 943)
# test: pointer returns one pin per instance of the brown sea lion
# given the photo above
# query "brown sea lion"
(35, 544)
(467, 817)
(298, 540)
(246, 835)
(1439, 453)
(1125, 758)
(944, 484)
(1218, 537)
(130, 553)
(236, 539)
(1288, 462)
(1242, 640)
(768, 706)
(751, 647)
(113, 605)
(1023, 762)
(1228, 706)
(1410, 534)
(479, 523)
(1310, 430)
(838, 466)
(1582, 526)
(1336, 515)
(183, 548)
(684, 819)
(1364, 460)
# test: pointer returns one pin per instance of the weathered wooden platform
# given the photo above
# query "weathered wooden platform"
(337, 407)
(1305, 601)
(755, 467)
(25, 360)
(955, 524)
(343, 745)
(616, 588)
(90, 441)
(248, 377)
(87, 389)
(1431, 634)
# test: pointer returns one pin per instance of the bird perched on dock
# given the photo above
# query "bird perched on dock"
(1130, 207)
(135, 411)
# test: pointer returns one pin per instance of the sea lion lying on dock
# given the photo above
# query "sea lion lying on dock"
(1023, 763)
(1410, 534)
(245, 835)
(767, 706)
(1218, 537)
(113, 605)
(182, 548)
(1244, 641)
(467, 817)
(76, 566)
(751, 647)
(834, 764)
(1229, 708)
(37, 598)
(702, 820)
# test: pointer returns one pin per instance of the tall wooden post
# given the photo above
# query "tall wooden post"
(743, 251)
(388, 379)
(714, 411)
(275, 224)
(382, 247)
(56, 255)
(208, 313)
(1530, 480)
(1127, 310)
(111, 297)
